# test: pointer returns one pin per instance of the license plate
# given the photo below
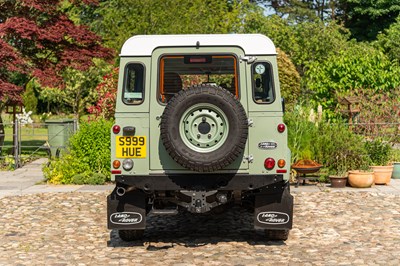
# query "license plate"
(131, 147)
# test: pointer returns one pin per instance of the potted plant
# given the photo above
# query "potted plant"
(395, 158)
(338, 175)
(380, 152)
(338, 179)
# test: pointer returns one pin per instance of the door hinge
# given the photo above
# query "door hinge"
(250, 122)
(248, 158)
(248, 59)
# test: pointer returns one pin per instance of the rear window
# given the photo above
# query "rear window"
(133, 84)
(263, 87)
(179, 72)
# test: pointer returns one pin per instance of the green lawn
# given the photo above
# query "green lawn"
(32, 141)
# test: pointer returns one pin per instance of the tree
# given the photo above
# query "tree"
(117, 20)
(389, 41)
(38, 41)
(106, 94)
(301, 10)
(360, 67)
(366, 18)
(304, 42)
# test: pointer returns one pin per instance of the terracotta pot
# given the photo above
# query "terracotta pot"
(361, 179)
(396, 170)
(338, 181)
(382, 174)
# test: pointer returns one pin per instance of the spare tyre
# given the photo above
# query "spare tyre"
(204, 128)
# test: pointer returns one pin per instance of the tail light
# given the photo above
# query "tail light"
(281, 163)
(281, 128)
(116, 129)
(269, 163)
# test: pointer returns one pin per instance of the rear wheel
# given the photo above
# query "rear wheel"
(130, 235)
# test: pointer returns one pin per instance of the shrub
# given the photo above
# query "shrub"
(88, 157)
(339, 149)
(331, 144)
(379, 151)
(106, 94)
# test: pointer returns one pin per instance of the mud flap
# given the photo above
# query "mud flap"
(127, 211)
(274, 210)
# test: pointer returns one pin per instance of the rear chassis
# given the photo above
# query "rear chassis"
(136, 196)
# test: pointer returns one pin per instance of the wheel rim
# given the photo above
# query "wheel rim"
(204, 127)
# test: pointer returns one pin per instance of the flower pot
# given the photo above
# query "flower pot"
(382, 174)
(338, 181)
(361, 179)
(396, 170)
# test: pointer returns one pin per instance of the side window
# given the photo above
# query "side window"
(133, 84)
(263, 89)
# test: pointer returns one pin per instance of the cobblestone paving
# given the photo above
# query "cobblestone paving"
(329, 229)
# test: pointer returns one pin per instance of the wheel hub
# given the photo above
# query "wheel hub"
(204, 127)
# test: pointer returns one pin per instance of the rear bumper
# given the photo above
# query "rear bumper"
(199, 181)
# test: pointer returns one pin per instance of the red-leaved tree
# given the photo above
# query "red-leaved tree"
(106, 94)
(39, 41)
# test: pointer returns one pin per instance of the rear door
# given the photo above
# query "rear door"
(160, 160)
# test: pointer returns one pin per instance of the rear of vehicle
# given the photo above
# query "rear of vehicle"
(198, 127)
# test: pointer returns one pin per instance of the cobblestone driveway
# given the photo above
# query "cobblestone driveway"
(329, 229)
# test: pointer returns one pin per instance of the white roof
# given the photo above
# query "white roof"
(252, 44)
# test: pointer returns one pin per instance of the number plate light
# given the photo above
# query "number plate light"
(127, 164)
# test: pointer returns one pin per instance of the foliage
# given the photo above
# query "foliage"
(301, 133)
(106, 96)
(39, 41)
(304, 43)
(301, 10)
(379, 113)
(29, 98)
(389, 41)
(88, 160)
(379, 151)
(289, 79)
(395, 155)
(78, 92)
(331, 144)
(117, 20)
(339, 149)
(366, 18)
(358, 67)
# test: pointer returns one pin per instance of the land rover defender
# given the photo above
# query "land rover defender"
(199, 127)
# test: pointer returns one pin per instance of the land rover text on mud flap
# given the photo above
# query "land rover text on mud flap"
(198, 127)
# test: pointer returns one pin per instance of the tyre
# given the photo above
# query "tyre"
(130, 235)
(277, 234)
(204, 128)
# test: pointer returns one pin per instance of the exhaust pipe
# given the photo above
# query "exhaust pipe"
(121, 191)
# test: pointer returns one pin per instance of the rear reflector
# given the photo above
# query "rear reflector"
(281, 171)
(114, 172)
(281, 128)
(116, 129)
